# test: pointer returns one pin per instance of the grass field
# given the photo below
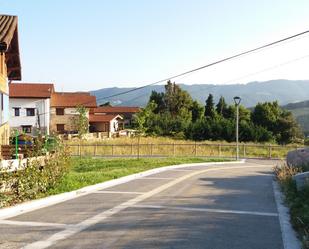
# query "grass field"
(161, 146)
(88, 171)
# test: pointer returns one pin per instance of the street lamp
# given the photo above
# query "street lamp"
(237, 102)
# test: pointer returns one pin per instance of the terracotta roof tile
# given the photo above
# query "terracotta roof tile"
(73, 100)
(115, 109)
(30, 90)
(9, 38)
(102, 118)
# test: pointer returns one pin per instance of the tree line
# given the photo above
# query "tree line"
(175, 113)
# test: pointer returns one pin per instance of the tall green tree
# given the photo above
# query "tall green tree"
(197, 111)
(266, 115)
(158, 99)
(210, 107)
(177, 101)
(279, 122)
(221, 107)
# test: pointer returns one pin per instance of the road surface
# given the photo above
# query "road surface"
(215, 207)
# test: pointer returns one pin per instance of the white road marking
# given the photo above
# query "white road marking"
(182, 170)
(209, 210)
(117, 192)
(157, 178)
(74, 229)
(26, 207)
(32, 224)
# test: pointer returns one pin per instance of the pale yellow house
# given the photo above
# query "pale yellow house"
(10, 69)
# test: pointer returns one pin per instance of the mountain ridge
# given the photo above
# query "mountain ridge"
(284, 91)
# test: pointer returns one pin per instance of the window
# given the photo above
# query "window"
(27, 128)
(30, 111)
(16, 111)
(59, 111)
(60, 128)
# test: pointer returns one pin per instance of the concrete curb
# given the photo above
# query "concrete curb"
(289, 237)
(29, 206)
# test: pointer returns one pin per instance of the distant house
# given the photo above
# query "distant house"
(105, 123)
(30, 106)
(10, 69)
(126, 112)
(63, 110)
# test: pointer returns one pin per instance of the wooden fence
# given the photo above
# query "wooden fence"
(9, 151)
(180, 150)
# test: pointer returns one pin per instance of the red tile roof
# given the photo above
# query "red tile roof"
(30, 90)
(102, 118)
(73, 100)
(9, 38)
(115, 109)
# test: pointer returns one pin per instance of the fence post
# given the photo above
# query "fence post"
(174, 150)
(151, 152)
(138, 147)
(219, 150)
(79, 150)
(195, 149)
(269, 152)
(131, 149)
(244, 148)
(112, 150)
(95, 150)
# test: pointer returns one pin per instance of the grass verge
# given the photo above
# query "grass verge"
(89, 171)
(298, 201)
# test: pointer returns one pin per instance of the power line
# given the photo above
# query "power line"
(267, 69)
(246, 75)
(209, 65)
(228, 81)
(205, 66)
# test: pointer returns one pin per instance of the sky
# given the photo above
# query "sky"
(82, 45)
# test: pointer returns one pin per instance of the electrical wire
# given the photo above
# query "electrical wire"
(209, 65)
(205, 66)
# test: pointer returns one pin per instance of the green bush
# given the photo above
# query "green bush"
(40, 174)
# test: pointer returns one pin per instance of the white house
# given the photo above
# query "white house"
(29, 105)
(105, 123)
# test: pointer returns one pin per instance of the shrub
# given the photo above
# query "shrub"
(34, 179)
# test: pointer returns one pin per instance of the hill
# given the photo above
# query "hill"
(285, 91)
(300, 111)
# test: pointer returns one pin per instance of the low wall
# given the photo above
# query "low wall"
(18, 164)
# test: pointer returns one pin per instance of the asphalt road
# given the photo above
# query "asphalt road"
(215, 207)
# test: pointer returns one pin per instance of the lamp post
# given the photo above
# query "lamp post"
(237, 102)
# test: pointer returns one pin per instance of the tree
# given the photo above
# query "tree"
(81, 122)
(197, 111)
(279, 122)
(209, 107)
(158, 99)
(141, 119)
(221, 107)
(177, 101)
(288, 129)
(266, 115)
